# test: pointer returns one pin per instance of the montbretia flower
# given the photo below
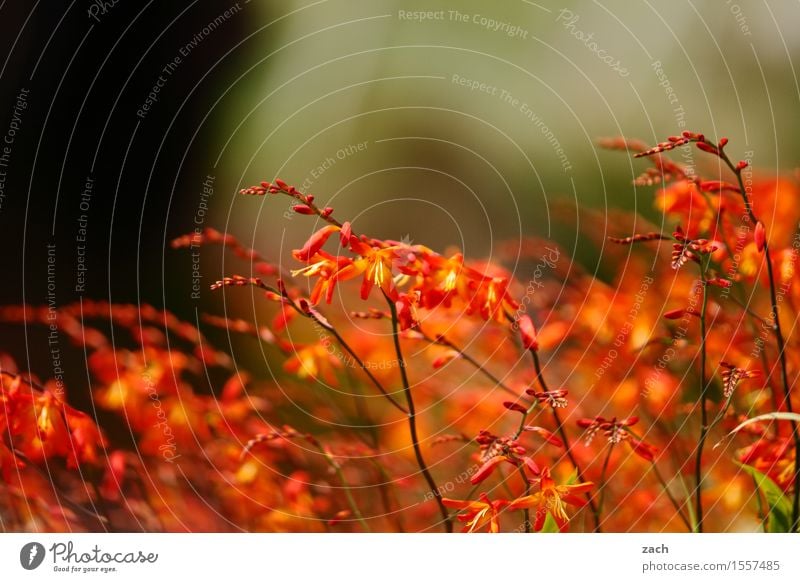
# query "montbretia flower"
(376, 265)
(490, 298)
(671, 143)
(478, 514)
(328, 270)
(617, 431)
(406, 306)
(731, 376)
(686, 249)
(315, 243)
(552, 398)
(497, 450)
(552, 498)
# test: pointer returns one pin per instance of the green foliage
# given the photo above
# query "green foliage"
(779, 506)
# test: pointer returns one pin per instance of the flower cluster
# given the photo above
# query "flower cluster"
(677, 369)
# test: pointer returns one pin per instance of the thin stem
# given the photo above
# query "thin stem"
(442, 340)
(602, 486)
(412, 420)
(345, 487)
(749, 311)
(698, 467)
(678, 507)
(363, 366)
(525, 512)
(563, 433)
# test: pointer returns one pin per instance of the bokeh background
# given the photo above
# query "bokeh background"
(474, 125)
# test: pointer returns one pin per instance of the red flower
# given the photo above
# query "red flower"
(497, 450)
(551, 499)
(760, 236)
(329, 270)
(617, 431)
(314, 243)
(527, 333)
(478, 514)
(376, 265)
(731, 376)
(552, 398)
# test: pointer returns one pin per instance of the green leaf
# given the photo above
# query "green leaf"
(573, 478)
(780, 506)
(550, 525)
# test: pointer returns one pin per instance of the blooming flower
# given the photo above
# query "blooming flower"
(731, 376)
(478, 514)
(617, 431)
(552, 398)
(551, 498)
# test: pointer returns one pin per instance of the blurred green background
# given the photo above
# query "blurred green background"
(445, 161)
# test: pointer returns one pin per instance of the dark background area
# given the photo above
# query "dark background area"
(86, 81)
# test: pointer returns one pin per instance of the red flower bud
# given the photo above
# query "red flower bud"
(546, 435)
(720, 282)
(703, 146)
(760, 236)
(527, 333)
(515, 407)
(644, 450)
(345, 234)
(674, 314)
(488, 468)
(302, 209)
(281, 184)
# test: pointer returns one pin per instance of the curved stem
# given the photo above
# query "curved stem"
(412, 420)
(563, 434)
(363, 366)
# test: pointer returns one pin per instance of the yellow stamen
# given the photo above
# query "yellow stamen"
(450, 280)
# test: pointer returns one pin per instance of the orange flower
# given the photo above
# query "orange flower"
(478, 514)
(376, 264)
(328, 270)
(490, 298)
(551, 499)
